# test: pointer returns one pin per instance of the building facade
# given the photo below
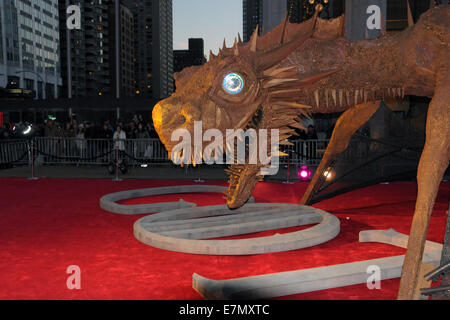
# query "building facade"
(126, 51)
(89, 50)
(93, 50)
(252, 17)
(194, 56)
(273, 13)
(153, 47)
(30, 46)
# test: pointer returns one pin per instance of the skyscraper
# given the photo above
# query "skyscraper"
(301, 10)
(253, 16)
(194, 56)
(273, 13)
(153, 47)
(29, 46)
(126, 50)
(89, 50)
(93, 50)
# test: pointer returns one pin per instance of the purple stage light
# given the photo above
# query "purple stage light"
(304, 173)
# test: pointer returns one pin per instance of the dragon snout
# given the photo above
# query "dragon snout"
(166, 118)
(157, 118)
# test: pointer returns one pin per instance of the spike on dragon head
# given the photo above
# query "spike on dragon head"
(241, 88)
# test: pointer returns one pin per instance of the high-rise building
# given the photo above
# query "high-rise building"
(295, 10)
(126, 50)
(301, 10)
(153, 47)
(252, 17)
(89, 50)
(273, 13)
(194, 56)
(29, 46)
(93, 50)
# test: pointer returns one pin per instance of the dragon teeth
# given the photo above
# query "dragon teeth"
(333, 93)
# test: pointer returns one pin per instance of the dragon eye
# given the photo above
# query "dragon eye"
(233, 83)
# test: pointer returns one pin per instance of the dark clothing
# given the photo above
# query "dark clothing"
(105, 134)
(69, 133)
(52, 131)
(131, 134)
(91, 133)
(142, 134)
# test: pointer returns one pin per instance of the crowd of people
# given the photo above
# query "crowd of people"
(137, 128)
(87, 139)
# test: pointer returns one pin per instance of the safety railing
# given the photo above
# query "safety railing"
(304, 152)
(75, 151)
(14, 151)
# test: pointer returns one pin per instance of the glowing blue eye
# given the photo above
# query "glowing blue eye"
(233, 83)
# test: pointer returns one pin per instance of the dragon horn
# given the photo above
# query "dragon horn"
(410, 17)
(235, 47)
(254, 40)
(283, 32)
(272, 57)
(265, 60)
(224, 44)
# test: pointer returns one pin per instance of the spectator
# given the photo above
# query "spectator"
(69, 131)
(106, 135)
(81, 141)
(51, 129)
(91, 134)
(105, 132)
(131, 134)
(142, 135)
(119, 137)
(54, 131)
(311, 134)
(109, 125)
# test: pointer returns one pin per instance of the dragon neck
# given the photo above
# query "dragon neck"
(368, 70)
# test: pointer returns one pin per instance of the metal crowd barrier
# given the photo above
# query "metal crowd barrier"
(98, 151)
(14, 151)
(304, 152)
(74, 151)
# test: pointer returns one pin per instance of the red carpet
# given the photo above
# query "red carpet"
(49, 224)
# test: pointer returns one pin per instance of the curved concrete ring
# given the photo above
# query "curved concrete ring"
(180, 230)
(108, 202)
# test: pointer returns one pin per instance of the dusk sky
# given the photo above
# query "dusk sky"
(212, 20)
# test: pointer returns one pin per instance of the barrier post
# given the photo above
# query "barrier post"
(199, 180)
(32, 161)
(116, 178)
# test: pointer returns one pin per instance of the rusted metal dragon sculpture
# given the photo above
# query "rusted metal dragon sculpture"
(298, 69)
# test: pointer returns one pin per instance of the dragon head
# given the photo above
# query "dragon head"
(245, 86)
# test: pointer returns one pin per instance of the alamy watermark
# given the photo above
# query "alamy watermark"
(374, 280)
(73, 21)
(74, 280)
(252, 147)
